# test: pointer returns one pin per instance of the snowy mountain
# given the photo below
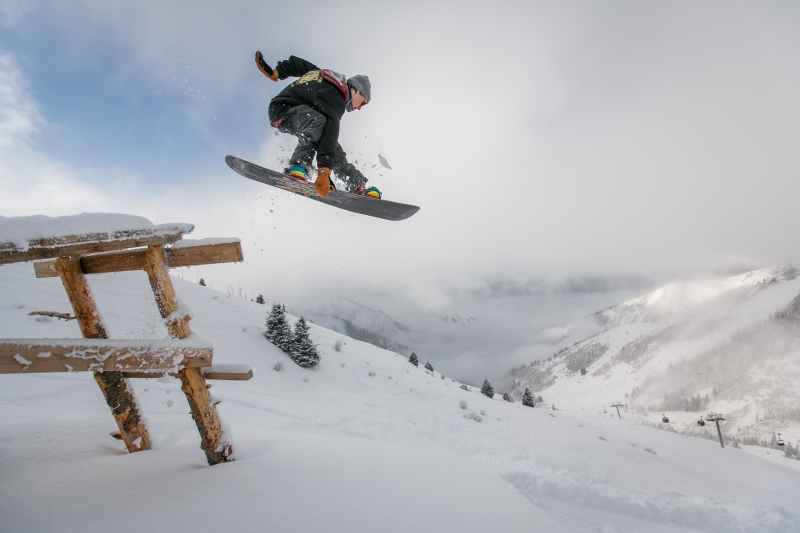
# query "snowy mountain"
(729, 344)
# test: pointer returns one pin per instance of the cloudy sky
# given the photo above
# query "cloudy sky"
(635, 138)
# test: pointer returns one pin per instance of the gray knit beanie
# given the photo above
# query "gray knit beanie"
(361, 83)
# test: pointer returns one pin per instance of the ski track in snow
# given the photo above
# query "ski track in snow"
(705, 514)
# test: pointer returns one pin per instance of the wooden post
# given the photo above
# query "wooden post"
(113, 385)
(193, 384)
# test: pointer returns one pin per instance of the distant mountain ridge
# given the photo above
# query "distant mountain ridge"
(471, 328)
(363, 323)
(732, 342)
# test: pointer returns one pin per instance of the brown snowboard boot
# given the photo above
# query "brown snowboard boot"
(323, 183)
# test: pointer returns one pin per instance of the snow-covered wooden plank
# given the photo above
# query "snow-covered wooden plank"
(22, 356)
(200, 252)
(217, 372)
(86, 243)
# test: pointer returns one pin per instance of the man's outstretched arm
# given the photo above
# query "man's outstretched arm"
(292, 67)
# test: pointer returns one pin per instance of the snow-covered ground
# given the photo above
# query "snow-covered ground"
(364, 442)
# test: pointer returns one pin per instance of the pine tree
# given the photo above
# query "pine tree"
(278, 332)
(303, 351)
(507, 397)
(429, 366)
(487, 389)
(527, 398)
(272, 321)
(413, 359)
(202, 282)
(260, 299)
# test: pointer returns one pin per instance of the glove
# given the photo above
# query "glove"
(323, 183)
(265, 69)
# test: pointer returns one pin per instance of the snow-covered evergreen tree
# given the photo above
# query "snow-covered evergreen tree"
(260, 299)
(527, 398)
(303, 351)
(487, 389)
(278, 332)
(429, 366)
(272, 321)
(507, 397)
(413, 359)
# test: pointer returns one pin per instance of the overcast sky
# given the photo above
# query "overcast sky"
(538, 137)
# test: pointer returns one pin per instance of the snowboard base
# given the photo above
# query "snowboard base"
(356, 203)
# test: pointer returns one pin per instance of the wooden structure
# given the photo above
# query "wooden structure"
(114, 361)
(618, 405)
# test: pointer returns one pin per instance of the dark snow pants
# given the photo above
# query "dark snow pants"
(307, 124)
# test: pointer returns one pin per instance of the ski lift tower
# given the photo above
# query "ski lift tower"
(717, 418)
(618, 405)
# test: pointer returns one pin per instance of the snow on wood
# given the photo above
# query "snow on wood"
(101, 355)
(27, 238)
(215, 372)
(21, 360)
(21, 230)
(180, 314)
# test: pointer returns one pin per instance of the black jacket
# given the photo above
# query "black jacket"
(324, 90)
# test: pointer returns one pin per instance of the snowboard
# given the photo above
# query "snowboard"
(356, 203)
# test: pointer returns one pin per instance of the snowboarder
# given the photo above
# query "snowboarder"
(310, 108)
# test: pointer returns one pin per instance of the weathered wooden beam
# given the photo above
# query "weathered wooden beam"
(177, 320)
(204, 252)
(119, 397)
(54, 314)
(80, 296)
(76, 245)
(228, 373)
(215, 372)
(215, 443)
(26, 356)
(189, 254)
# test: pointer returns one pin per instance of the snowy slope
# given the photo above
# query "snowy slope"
(728, 344)
(364, 442)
